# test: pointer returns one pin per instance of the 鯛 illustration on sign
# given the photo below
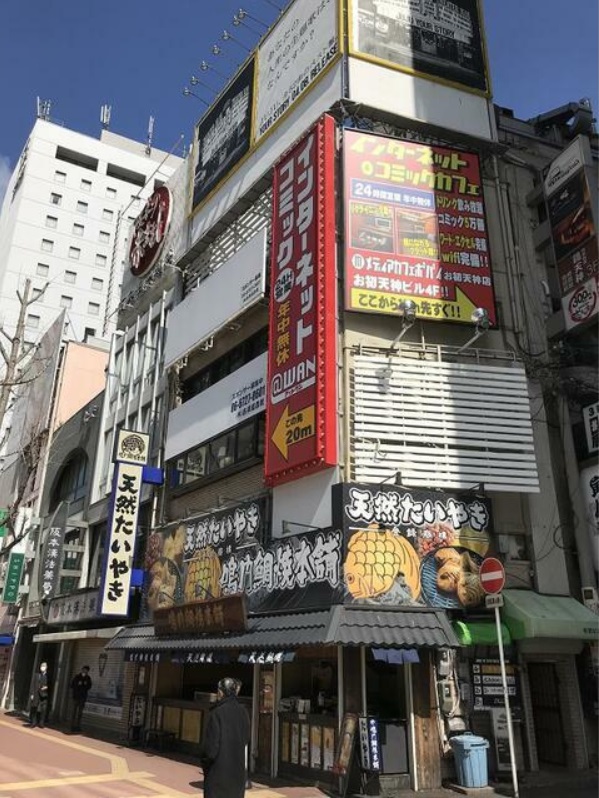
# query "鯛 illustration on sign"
(411, 547)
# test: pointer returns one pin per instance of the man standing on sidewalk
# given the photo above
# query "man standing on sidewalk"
(80, 686)
(39, 697)
(224, 743)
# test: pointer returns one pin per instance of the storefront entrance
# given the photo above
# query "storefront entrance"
(548, 722)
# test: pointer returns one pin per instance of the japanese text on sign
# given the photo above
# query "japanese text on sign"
(296, 563)
(298, 49)
(415, 229)
(301, 350)
(121, 539)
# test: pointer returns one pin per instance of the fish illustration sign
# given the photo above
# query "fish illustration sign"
(411, 547)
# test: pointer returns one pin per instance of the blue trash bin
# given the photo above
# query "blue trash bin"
(470, 754)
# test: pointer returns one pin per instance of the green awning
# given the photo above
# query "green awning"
(480, 633)
(528, 614)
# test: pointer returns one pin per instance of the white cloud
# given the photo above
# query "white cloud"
(5, 173)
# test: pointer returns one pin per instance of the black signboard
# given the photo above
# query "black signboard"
(439, 39)
(223, 553)
(223, 134)
(412, 547)
(488, 686)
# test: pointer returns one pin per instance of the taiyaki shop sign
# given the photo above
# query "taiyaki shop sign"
(132, 447)
(223, 554)
(412, 547)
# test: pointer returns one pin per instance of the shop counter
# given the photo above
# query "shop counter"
(307, 745)
(180, 721)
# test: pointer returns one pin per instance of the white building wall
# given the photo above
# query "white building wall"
(82, 265)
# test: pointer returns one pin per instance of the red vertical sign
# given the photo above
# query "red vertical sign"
(301, 429)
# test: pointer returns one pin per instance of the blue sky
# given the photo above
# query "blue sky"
(136, 55)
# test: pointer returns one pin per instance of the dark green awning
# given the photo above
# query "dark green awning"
(480, 633)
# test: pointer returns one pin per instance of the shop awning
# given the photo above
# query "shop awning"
(404, 627)
(528, 614)
(267, 632)
(480, 633)
(6, 640)
(77, 634)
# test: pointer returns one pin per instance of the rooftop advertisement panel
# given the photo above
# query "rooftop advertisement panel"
(415, 229)
(303, 43)
(438, 39)
(223, 134)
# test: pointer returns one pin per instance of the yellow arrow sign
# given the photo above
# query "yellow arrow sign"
(293, 428)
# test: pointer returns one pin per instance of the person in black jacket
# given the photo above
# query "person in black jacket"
(39, 697)
(80, 686)
(226, 735)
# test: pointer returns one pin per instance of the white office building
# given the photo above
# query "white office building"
(64, 224)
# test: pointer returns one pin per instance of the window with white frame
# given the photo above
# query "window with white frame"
(111, 192)
(78, 229)
(100, 259)
(66, 301)
(70, 277)
(42, 269)
(74, 253)
(93, 309)
(56, 199)
(60, 177)
(107, 214)
(104, 237)
(51, 221)
(97, 284)
(86, 185)
(82, 206)
(33, 321)
(47, 245)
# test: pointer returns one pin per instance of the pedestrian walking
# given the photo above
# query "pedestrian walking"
(80, 686)
(39, 698)
(223, 749)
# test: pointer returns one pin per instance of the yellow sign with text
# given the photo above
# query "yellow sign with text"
(433, 308)
(293, 428)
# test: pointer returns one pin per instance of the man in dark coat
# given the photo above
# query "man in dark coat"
(39, 697)
(80, 686)
(226, 735)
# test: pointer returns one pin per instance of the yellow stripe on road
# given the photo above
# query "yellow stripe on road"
(118, 765)
(99, 778)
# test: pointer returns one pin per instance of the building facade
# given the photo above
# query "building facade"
(366, 391)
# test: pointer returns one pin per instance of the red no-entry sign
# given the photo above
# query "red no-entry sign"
(492, 575)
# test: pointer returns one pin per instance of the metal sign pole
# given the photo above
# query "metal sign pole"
(510, 730)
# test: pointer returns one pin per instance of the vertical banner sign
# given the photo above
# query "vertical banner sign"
(49, 573)
(415, 229)
(3, 521)
(301, 426)
(13, 577)
(574, 235)
(120, 546)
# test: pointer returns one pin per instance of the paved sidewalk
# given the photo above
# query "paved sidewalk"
(148, 773)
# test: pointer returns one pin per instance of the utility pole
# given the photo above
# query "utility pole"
(11, 359)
